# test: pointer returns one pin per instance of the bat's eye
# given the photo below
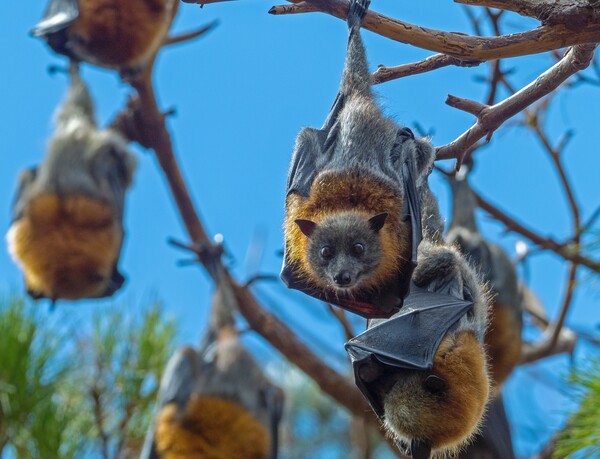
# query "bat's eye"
(358, 249)
(435, 384)
(327, 252)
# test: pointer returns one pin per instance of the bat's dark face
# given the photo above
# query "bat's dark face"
(344, 249)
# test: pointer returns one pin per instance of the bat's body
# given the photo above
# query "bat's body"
(359, 166)
(362, 179)
(424, 370)
(503, 337)
(215, 402)
(67, 216)
(122, 35)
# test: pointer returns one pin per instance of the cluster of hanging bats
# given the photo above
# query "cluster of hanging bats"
(362, 232)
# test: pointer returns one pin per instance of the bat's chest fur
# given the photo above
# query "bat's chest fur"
(355, 191)
(68, 246)
(210, 427)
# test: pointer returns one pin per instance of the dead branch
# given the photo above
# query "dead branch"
(490, 118)
(462, 46)
(172, 40)
(437, 61)
(575, 13)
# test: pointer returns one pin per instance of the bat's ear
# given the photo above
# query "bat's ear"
(377, 222)
(306, 226)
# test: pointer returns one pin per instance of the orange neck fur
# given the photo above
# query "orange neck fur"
(336, 192)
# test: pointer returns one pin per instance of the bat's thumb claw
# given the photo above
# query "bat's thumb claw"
(420, 450)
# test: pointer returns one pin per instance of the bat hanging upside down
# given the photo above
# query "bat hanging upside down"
(215, 402)
(362, 231)
(123, 35)
(67, 227)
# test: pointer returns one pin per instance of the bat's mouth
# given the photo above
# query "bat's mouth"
(350, 288)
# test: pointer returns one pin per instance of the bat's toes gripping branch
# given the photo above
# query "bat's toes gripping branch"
(357, 11)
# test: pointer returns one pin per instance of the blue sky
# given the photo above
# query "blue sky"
(242, 93)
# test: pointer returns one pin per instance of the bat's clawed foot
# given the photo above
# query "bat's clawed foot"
(357, 12)
(419, 449)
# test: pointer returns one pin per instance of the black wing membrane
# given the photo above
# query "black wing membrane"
(495, 440)
(309, 157)
(407, 340)
(176, 386)
(58, 16)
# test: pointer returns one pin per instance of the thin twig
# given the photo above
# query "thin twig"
(172, 40)
(551, 344)
(566, 251)
(437, 61)
(342, 318)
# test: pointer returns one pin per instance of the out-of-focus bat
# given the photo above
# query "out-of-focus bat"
(503, 337)
(122, 35)
(494, 441)
(67, 226)
(215, 401)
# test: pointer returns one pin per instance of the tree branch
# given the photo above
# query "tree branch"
(437, 61)
(143, 122)
(490, 118)
(172, 40)
(556, 339)
(462, 46)
(566, 251)
(575, 13)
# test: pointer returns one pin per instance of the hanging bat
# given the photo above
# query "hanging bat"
(215, 402)
(121, 35)
(424, 370)
(355, 194)
(503, 337)
(67, 222)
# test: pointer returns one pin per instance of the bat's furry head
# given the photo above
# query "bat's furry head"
(442, 407)
(344, 249)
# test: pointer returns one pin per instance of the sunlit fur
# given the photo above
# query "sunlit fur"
(120, 33)
(210, 428)
(67, 247)
(336, 193)
(448, 419)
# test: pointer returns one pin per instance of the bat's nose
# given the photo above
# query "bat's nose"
(342, 278)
